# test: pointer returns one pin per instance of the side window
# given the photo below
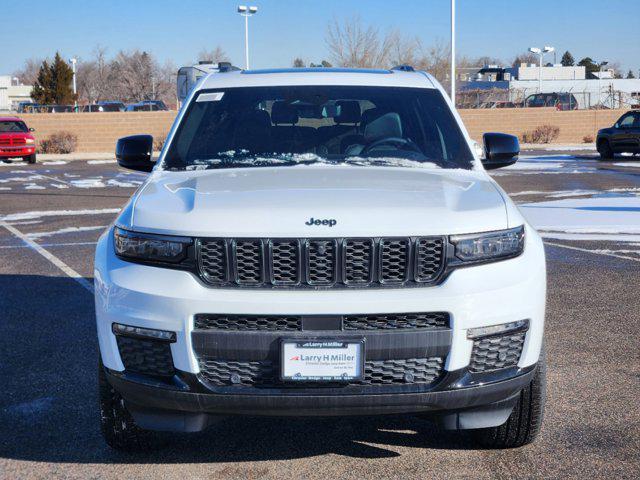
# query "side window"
(626, 121)
(636, 124)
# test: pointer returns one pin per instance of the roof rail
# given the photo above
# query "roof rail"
(404, 68)
(226, 67)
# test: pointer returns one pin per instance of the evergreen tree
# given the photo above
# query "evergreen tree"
(298, 62)
(630, 74)
(567, 59)
(54, 83)
(589, 64)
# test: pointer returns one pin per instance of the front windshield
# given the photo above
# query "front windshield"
(284, 126)
(12, 126)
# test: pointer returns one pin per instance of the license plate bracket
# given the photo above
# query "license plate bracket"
(322, 360)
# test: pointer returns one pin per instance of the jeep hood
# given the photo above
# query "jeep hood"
(280, 201)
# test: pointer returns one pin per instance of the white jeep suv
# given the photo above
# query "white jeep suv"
(320, 242)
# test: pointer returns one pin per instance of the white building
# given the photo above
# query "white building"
(522, 81)
(11, 94)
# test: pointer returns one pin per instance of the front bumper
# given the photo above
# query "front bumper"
(9, 152)
(461, 400)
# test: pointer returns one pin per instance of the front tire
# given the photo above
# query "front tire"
(116, 423)
(605, 150)
(30, 159)
(525, 421)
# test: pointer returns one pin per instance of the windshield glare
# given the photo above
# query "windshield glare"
(282, 126)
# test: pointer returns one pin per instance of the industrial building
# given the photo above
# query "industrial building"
(515, 84)
(12, 93)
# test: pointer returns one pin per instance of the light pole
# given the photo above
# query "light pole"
(541, 53)
(73, 61)
(453, 53)
(246, 12)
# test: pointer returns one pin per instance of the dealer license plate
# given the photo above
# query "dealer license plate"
(322, 360)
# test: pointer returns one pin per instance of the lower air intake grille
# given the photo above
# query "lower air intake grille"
(265, 373)
(492, 353)
(395, 321)
(278, 323)
(247, 322)
(148, 357)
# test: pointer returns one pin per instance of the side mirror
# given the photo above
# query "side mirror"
(134, 152)
(32, 129)
(501, 150)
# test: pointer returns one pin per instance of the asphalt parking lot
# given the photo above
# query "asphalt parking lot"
(589, 213)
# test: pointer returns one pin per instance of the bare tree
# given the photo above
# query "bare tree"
(95, 77)
(351, 44)
(214, 56)
(28, 74)
(526, 57)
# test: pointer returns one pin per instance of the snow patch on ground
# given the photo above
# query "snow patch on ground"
(33, 186)
(99, 162)
(627, 164)
(33, 215)
(55, 162)
(617, 218)
(88, 183)
(38, 235)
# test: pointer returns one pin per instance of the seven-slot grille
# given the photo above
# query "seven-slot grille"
(348, 262)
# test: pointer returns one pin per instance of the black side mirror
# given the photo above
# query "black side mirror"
(32, 129)
(501, 150)
(134, 152)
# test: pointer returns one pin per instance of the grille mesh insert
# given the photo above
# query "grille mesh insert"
(396, 321)
(492, 353)
(148, 357)
(244, 322)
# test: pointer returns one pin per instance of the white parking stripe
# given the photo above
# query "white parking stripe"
(608, 254)
(70, 272)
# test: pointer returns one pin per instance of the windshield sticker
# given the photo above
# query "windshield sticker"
(210, 97)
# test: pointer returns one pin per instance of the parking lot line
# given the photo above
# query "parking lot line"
(70, 272)
(592, 251)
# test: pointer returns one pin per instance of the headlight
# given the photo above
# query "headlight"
(29, 141)
(489, 246)
(149, 247)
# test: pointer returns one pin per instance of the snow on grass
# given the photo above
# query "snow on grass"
(604, 218)
(38, 235)
(34, 215)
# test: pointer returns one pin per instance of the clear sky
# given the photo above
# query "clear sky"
(283, 29)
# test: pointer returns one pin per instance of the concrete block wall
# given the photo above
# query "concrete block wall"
(98, 132)
(574, 125)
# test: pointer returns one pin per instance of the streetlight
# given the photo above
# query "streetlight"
(453, 53)
(246, 12)
(541, 53)
(73, 61)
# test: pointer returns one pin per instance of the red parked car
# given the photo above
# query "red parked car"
(16, 140)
